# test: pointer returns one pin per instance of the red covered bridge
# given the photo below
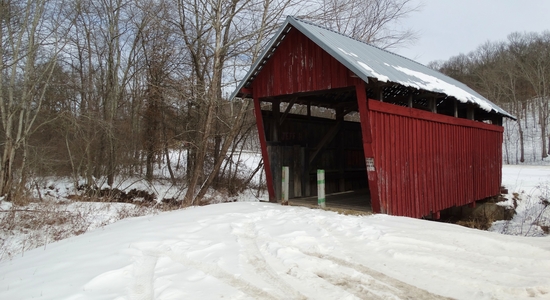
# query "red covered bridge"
(417, 140)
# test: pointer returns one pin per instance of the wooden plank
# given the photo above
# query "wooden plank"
(429, 166)
(287, 110)
(440, 143)
(409, 152)
(263, 146)
(393, 172)
(415, 194)
(428, 116)
(362, 100)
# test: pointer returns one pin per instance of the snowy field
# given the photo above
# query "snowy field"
(253, 250)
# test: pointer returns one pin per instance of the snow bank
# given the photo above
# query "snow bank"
(267, 251)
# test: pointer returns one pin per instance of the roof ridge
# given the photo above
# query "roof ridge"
(296, 18)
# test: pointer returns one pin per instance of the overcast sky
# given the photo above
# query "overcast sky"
(449, 27)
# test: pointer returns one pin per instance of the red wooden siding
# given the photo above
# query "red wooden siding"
(299, 65)
(426, 162)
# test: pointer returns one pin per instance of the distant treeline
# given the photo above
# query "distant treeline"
(514, 74)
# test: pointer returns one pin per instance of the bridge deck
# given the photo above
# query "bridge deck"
(352, 202)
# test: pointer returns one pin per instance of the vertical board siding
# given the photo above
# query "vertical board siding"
(428, 162)
(299, 65)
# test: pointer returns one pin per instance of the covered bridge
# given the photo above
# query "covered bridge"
(417, 140)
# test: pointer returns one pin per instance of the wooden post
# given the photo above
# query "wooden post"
(455, 102)
(321, 188)
(432, 103)
(340, 153)
(470, 112)
(285, 179)
(263, 144)
(379, 92)
(372, 172)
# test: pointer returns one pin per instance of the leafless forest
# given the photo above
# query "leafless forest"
(514, 74)
(97, 89)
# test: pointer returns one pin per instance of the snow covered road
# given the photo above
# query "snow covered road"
(267, 251)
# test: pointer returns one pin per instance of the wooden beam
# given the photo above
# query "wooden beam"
(370, 162)
(287, 110)
(263, 146)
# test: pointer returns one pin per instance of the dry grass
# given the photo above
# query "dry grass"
(38, 223)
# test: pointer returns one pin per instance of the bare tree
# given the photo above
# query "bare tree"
(372, 21)
(216, 33)
(103, 56)
(531, 53)
(514, 74)
(31, 39)
(160, 55)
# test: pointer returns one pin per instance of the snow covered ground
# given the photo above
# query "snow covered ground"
(529, 192)
(253, 250)
(267, 251)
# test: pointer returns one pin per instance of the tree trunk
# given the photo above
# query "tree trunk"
(197, 173)
(521, 143)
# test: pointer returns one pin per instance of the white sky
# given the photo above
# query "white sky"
(449, 27)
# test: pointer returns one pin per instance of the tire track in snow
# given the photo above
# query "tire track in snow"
(400, 285)
(247, 237)
(380, 283)
(383, 282)
(214, 271)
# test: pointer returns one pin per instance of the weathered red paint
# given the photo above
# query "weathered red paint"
(428, 162)
(263, 145)
(299, 65)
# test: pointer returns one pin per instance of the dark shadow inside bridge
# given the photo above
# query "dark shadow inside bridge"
(349, 202)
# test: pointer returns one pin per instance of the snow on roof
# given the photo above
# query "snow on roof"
(368, 61)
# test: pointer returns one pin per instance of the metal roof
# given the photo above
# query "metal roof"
(367, 61)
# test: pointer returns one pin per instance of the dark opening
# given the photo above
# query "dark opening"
(317, 131)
